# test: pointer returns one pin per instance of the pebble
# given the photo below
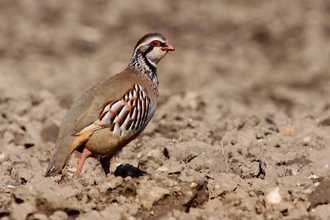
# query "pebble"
(274, 196)
(58, 215)
(193, 185)
(2, 157)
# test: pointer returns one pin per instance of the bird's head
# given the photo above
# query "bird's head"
(154, 47)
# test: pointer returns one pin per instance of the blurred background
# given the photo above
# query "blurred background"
(254, 52)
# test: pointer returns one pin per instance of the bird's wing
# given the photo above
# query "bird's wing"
(127, 109)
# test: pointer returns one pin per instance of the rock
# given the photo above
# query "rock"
(274, 196)
(58, 215)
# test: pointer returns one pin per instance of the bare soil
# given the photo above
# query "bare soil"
(241, 130)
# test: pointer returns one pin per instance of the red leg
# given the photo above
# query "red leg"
(105, 162)
(86, 153)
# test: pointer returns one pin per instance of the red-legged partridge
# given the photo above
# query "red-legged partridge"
(113, 112)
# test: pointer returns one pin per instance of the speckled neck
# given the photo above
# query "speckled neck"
(141, 63)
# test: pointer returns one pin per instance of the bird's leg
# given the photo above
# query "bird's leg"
(105, 162)
(80, 141)
(86, 153)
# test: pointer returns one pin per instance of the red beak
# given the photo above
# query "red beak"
(168, 47)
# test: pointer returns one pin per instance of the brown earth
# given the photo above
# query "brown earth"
(241, 130)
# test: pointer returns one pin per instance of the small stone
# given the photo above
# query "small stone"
(252, 194)
(312, 176)
(58, 215)
(307, 140)
(259, 135)
(288, 131)
(9, 184)
(162, 169)
(188, 196)
(2, 157)
(193, 185)
(274, 196)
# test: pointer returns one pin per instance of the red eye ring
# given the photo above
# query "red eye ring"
(156, 43)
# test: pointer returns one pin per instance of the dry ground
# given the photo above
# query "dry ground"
(241, 130)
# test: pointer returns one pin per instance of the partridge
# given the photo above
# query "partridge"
(113, 112)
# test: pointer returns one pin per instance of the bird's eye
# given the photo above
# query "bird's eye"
(156, 43)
